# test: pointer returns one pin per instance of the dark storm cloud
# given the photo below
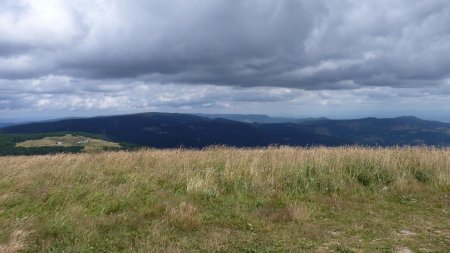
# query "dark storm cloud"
(303, 57)
(338, 44)
(207, 41)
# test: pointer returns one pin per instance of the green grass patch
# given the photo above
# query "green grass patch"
(69, 140)
(227, 200)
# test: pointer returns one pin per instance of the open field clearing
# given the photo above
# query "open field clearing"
(68, 140)
(228, 200)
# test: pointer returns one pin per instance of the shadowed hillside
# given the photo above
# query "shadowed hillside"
(5, 124)
(165, 130)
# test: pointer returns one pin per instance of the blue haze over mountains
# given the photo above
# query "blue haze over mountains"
(171, 130)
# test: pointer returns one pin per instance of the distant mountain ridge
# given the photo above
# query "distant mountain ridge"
(256, 118)
(168, 130)
(6, 124)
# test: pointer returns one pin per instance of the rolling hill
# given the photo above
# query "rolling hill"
(249, 118)
(257, 118)
(5, 124)
(167, 130)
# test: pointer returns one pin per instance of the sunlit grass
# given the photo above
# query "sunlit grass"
(227, 200)
(69, 140)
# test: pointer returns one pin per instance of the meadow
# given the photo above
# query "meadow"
(69, 140)
(219, 199)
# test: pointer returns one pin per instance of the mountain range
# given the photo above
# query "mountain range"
(168, 130)
(256, 118)
(5, 124)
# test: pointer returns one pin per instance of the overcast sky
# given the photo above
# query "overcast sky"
(302, 58)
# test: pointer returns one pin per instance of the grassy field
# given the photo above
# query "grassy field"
(68, 140)
(228, 200)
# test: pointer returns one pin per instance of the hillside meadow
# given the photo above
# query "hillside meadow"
(276, 199)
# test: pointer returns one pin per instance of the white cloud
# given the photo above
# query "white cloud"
(97, 55)
(54, 93)
(37, 23)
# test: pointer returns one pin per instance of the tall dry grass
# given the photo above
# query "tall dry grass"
(173, 200)
(220, 169)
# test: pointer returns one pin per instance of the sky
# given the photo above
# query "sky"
(295, 58)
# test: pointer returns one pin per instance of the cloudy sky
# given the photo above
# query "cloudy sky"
(302, 58)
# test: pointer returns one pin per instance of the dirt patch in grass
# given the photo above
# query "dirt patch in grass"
(16, 242)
